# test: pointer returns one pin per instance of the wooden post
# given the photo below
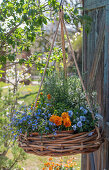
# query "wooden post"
(87, 161)
(91, 156)
(106, 87)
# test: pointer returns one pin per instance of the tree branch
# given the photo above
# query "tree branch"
(15, 161)
(10, 32)
(8, 81)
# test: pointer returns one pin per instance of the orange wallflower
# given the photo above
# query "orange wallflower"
(67, 122)
(75, 163)
(47, 164)
(65, 115)
(49, 96)
(50, 168)
(50, 159)
(57, 168)
(52, 118)
(53, 164)
(41, 93)
(66, 166)
(43, 168)
(58, 120)
(57, 164)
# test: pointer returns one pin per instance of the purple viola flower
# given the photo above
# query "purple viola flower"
(79, 124)
(49, 114)
(47, 128)
(77, 118)
(53, 130)
(48, 104)
(85, 111)
(74, 127)
(20, 131)
(50, 123)
(90, 134)
(82, 118)
(70, 113)
(81, 108)
(33, 128)
(54, 133)
(39, 110)
(38, 117)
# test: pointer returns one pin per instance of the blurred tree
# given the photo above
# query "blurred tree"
(21, 21)
(10, 153)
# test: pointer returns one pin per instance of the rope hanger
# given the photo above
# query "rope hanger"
(63, 27)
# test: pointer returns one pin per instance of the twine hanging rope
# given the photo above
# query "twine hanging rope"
(79, 74)
(47, 64)
(61, 19)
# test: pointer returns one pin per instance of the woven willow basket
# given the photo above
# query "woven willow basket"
(63, 144)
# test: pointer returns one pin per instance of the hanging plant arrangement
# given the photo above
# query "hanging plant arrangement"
(61, 121)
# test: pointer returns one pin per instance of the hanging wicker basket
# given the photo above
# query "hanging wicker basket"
(63, 144)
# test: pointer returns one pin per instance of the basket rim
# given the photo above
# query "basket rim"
(59, 133)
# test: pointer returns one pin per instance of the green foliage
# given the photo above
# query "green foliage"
(77, 41)
(40, 59)
(73, 15)
(22, 20)
(65, 92)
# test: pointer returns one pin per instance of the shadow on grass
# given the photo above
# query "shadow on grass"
(25, 96)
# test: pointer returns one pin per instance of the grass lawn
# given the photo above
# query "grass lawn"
(27, 93)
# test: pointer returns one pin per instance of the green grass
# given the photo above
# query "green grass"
(2, 84)
(28, 93)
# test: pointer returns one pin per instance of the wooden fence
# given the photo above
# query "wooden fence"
(96, 71)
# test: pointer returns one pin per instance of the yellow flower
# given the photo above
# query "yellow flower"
(39, 59)
(67, 122)
(49, 96)
(30, 90)
(68, 161)
(64, 115)
(61, 160)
